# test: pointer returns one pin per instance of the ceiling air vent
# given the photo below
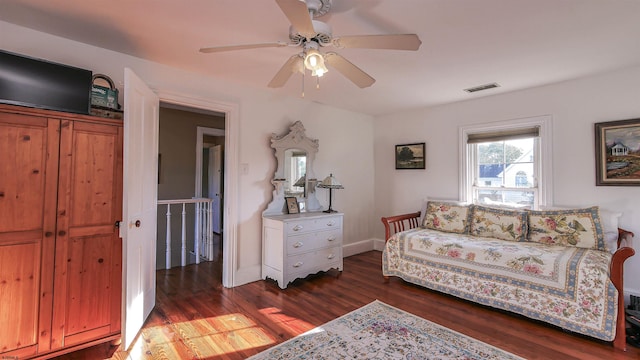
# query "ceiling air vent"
(482, 87)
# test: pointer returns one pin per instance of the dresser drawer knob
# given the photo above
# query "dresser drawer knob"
(331, 256)
(331, 238)
(298, 228)
(298, 244)
(298, 264)
(331, 223)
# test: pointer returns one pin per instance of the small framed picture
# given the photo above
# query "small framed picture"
(618, 153)
(410, 156)
(292, 205)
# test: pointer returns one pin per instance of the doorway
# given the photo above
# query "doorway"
(230, 203)
(185, 214)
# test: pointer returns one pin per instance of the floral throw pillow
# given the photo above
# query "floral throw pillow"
(575, 227)
(447, 217)
(504, 224)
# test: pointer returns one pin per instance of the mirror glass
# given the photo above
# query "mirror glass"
(295, 172)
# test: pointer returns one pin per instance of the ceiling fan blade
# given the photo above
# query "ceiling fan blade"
(350, 71)
(294, 64)
(215, 49)
(298, 15)
(391, 42)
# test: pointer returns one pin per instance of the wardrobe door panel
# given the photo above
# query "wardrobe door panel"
(19, 287)
(88, 250)
(28, 185)
(93, 177)
(89, 278)
(23, 147)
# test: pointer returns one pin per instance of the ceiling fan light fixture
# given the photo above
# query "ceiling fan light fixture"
(320, 71)
(314, 62)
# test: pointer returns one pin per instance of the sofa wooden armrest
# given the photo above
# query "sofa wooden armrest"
(400, 223)
(616, 271)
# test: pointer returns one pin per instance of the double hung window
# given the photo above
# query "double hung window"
(507, 164)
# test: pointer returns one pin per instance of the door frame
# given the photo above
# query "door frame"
(230, 200)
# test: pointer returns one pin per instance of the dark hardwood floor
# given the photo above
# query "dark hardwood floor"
(195, 317)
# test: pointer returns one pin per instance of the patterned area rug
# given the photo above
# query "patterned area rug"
(381, 331)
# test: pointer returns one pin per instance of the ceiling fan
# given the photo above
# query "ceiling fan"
(312, 35)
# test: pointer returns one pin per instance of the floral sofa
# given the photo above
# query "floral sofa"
(562, 266)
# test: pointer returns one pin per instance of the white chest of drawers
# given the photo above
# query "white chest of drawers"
(294, 246)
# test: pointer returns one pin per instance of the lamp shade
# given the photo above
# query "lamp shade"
(330, 183)
(301, 182)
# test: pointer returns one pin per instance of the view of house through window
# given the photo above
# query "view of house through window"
(505, 172)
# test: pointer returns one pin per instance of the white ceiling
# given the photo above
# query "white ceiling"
(465, 43)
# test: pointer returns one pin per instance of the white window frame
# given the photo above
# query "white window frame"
(544, 164)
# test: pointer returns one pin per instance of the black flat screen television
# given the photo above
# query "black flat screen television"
(43, 84)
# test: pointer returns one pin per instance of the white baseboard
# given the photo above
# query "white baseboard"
(362, 246)
(378, 244)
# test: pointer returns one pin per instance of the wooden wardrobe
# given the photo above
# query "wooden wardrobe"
(60, 250)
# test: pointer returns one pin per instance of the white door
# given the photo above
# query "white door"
(215, 181)
(140, 193)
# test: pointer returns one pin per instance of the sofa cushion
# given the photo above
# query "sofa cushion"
(425, 201)
(448, 217)
(499, 223)
(574, 227)
(609, 220)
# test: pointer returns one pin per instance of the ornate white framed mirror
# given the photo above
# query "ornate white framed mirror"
(294, 175)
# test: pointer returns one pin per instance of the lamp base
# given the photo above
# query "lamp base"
(329, 211)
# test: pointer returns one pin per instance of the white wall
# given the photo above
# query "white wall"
(574, 105)
(346, 138)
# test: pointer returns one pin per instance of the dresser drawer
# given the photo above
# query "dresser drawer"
(311, 260)
(313, 241)
(311, 225)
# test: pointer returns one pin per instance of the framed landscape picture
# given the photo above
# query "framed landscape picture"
(618, 153)
(410, 156)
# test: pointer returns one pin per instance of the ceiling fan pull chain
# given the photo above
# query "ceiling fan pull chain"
(317, 82)
(303, 71)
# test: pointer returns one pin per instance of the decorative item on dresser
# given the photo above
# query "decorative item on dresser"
(292, 205)
(60, 250)
(294, 243)
(330, 183)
